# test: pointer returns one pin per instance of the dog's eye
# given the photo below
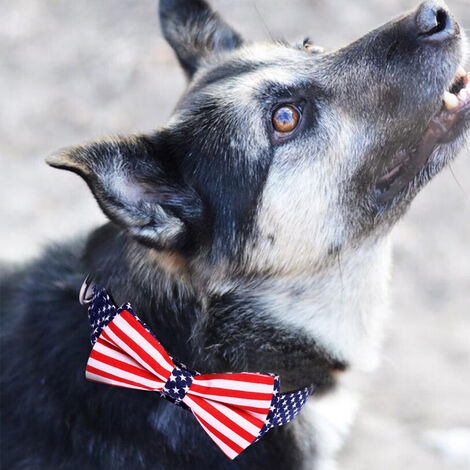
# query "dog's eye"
(285, 119)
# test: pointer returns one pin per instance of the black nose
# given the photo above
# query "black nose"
(434, 21)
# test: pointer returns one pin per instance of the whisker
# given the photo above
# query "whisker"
(462, 189)
(260, 17)
(338, 257)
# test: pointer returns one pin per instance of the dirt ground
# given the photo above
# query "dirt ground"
(74, 70)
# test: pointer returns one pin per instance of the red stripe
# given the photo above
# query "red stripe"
(132, 320)
(241, 412)
(219, 416)
(230, 393)
(108, 343)
(233, 445)
(140, 351)
(136, 370)
(241, 377)
(254, 409)
(106, 337)
(107, 375)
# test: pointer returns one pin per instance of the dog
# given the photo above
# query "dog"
(250, 232)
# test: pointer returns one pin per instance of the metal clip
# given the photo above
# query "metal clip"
(86, 291)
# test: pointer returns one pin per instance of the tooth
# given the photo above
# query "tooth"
(450, 100)
(462, 94)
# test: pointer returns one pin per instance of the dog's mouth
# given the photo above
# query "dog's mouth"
(444, 127)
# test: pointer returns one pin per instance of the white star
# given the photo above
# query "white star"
(272, 408)
(176, 389)
(185, 388)
(172, 377)
(275, 392)
(183, 378)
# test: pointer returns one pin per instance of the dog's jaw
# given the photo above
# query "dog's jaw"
(446, 130)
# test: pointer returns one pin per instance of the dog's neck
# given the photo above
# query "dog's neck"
(324, 321)
(342, 307)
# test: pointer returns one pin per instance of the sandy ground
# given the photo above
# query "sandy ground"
(72, 71)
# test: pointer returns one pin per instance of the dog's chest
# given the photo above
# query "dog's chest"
(345, 315)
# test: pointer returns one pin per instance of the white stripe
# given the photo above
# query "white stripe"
(129, 330)
(105, 380)
(124, 346)
(230, 453)
(240, 420)
(214, 422)
(120, 356)
(261, 416)
(155, 384)
(234, 385)
(264, 404)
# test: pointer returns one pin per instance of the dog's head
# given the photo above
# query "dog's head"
(279, 155)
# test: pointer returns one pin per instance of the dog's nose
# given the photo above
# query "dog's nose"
(434, 22)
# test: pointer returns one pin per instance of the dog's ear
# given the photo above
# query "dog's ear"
(194, 30)
(138, 187)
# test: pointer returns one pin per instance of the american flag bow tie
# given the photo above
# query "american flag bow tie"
(235, 409)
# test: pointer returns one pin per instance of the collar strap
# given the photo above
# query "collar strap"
(235, 409)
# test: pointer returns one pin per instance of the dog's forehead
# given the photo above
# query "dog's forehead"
(252, 70)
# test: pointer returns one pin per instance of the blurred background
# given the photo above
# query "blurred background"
(76, 70)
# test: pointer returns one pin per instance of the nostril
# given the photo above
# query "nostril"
(442, 19)
(433, 21)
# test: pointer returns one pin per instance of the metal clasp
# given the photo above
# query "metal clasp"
(86, 291)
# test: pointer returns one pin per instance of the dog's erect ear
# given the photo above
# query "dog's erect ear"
(194, 30)
(137, 187)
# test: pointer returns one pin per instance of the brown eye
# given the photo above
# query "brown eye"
(286, 118)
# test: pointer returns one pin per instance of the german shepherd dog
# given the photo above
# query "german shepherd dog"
(250, 233)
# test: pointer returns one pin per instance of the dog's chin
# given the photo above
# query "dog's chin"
(440, 142)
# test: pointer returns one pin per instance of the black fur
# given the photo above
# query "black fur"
(52, 418)
(194, 30)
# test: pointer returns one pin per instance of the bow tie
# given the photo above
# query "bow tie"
(235, 409)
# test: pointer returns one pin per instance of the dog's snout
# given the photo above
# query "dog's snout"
(434, 21)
